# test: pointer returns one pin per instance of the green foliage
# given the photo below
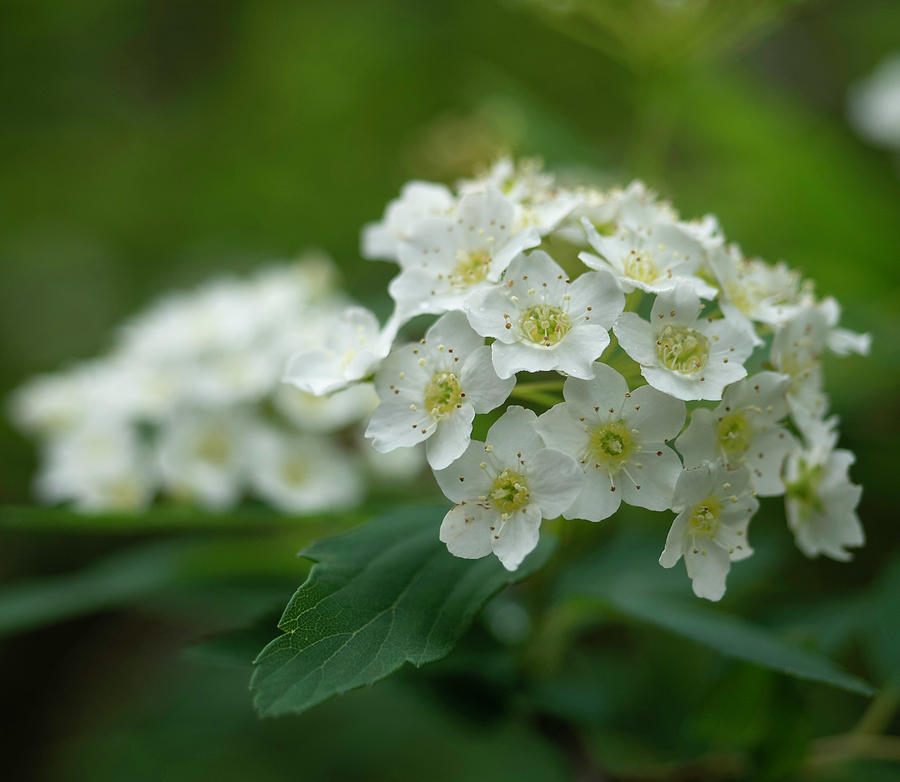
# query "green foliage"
(626, 578)
(381, 595)
(734, 637)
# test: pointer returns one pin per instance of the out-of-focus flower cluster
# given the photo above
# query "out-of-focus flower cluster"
(188, 404)
(606, 312)
(873, 104)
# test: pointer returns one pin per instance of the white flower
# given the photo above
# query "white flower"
(417, 201)
(596, 205)
(352, 348)
(229, 378)
(99, 466)
(634, 206)
(325, 413)
(202, 457)
(619, 439)
(820, 500)
(539, 203)
(753, 290)
(53, 404)
(874, 104)
(445, 260)
(653, 258)
(302, 473)
(504, 488)
(542, 320)
(432, 389)
(744, 431)
(714, 507)
(796, 351)
(705, 230)
(517, 180)
(843, 342)
(682, 354)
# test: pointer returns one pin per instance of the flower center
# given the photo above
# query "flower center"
(610, 446)
(293, 471)
(442, 394)
(804, 489)
(735, 433)
(640, 267)
(124, 493)
(682, 349)
(742, 296)
(509, 492)
(705, 517)
(212, 448)
(545, 324)
(471, 267)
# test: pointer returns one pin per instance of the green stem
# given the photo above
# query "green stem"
(543, 385)
(880, 712)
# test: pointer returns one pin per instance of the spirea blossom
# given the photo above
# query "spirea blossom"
(567, 331)
(603, 312)
(189, 405)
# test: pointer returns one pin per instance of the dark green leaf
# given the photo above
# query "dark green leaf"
(734, 637)
(380, 595)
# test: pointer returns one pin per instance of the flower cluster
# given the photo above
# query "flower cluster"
(605, 312)
(189, 403)
(873, 104)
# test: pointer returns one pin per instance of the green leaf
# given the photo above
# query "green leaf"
(113, 581)
(383, 594)
(626, 577)
(734, 637)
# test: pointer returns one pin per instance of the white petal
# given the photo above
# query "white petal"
(465, 530)
(675, 541)
(451, 438)
(517, 537)
(518, 357)
(844, 342)
(484, 390)
(693, 486)
(576, 352)
(707, 568)
(411, 290)
(595, 501)
(764, 390)
(682, 301)
(699, 442)
(466, 479)
(485, 310)
(395, 425)
(513, 437)
(657, 416)
(599, 291)
(765, 458)
(401, 375)
(453, 331)
(554, 480)
(659, 472)
(315, 371)
(561, 431)
(605, 390)
(636, 337)
(686, 387)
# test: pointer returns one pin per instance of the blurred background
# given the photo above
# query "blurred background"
(148, 145)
